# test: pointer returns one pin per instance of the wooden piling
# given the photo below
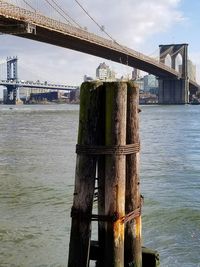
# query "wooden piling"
(133, 249)
(150, 258)
(116, 96)
(85, 176)
(101, 185)
(101, 211)
(108, 146)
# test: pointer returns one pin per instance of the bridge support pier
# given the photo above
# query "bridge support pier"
(12, 96)
(173, 91)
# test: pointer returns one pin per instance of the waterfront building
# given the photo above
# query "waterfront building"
(135, 74)
(25, 93)
(140, 83)
(150, 83)
(103, 72)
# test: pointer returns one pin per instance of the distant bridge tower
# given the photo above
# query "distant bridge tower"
(174, 91)
(12, 75)
(12, 68)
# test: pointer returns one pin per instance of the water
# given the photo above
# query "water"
(37, 162)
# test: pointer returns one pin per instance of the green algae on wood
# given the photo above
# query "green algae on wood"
(84, 177)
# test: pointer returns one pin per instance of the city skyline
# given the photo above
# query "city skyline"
(143, 29)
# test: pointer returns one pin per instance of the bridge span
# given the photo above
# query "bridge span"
(38, 85)
(35, 26)
(14, 84)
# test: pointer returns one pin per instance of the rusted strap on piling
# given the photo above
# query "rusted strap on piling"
(108, 150)
(105, 218)
(115, 217)
(131, 215)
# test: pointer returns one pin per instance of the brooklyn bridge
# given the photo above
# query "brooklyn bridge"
(175, 85)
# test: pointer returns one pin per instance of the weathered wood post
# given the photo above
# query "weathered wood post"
(116, 98)
(85, 176)
(108, 146)
(133, 249)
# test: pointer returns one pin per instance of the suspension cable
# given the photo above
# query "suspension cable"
(99, 26)
(102, 28)
(29, 5)
(58, 12)
(64, 12)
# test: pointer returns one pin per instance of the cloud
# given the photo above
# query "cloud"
(132, 22)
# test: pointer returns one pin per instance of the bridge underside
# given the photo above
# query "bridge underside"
(58, 38)
(173, 91)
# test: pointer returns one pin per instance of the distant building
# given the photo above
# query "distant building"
(135, 74)
(45, 96)
(103, 72)
(150, 83)
(25, 92)
(140, 83)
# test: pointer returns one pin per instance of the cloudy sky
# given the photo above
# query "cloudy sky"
(141, 25)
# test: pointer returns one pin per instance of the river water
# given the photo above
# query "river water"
(37, 162)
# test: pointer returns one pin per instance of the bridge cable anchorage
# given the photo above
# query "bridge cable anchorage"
(64, 12)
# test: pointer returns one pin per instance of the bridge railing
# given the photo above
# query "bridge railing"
(37, 84)
(38, 19)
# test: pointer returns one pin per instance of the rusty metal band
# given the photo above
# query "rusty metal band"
(106, 218)
(131, 215)
(108, 150)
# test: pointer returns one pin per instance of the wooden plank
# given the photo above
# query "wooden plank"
(116, 96)
(85, 176)
(133, 250)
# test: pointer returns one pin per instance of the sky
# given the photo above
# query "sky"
(141, 25)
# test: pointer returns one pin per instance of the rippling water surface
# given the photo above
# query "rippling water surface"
(37, 162)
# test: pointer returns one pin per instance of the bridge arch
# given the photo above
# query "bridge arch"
(168, 60)
(178, 63)
(174, 91)
(175, 51)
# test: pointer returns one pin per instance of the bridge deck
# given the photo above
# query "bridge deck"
(18, 21)
(34, 85)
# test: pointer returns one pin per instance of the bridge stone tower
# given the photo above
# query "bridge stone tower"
(174, 91)
(12, 75)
